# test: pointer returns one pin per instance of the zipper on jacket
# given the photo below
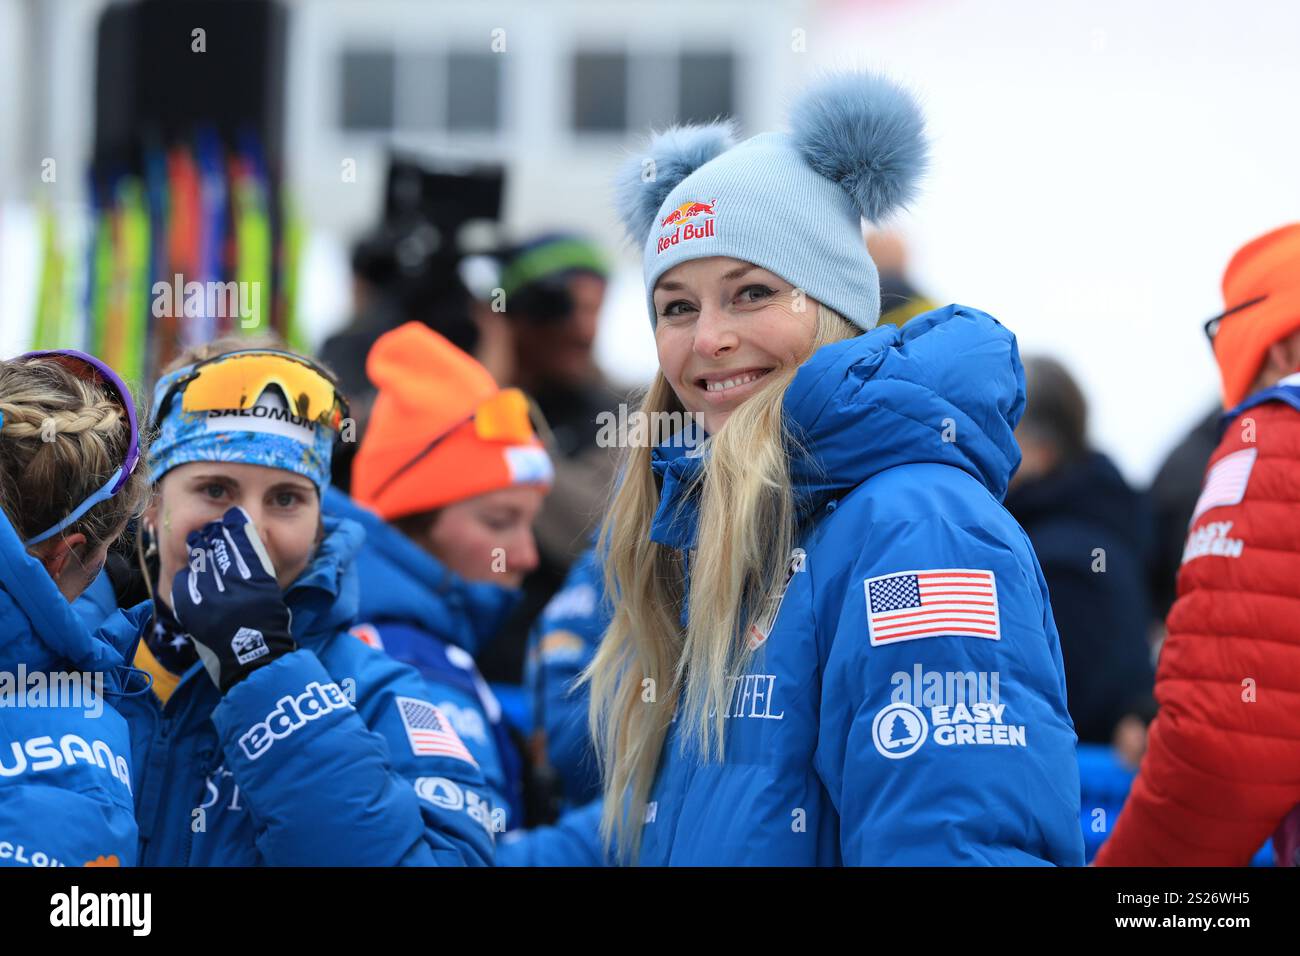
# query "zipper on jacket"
(207, 762)
(156, 768)
(151, 784)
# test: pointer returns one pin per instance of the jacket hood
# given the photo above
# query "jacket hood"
(401, 582)
(946, 388)
(39, 628)
(324, 599)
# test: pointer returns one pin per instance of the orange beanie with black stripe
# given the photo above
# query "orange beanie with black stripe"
(1261, 290)
(440, 430)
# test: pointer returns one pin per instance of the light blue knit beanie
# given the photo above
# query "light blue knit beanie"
(791, 203)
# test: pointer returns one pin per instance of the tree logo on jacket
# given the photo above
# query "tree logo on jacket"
(899, 730)
(950, 708)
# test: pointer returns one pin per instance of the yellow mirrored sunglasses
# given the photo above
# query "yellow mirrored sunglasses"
(237, 380)
(504, 417)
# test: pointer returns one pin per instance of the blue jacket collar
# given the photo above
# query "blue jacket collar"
(38, 626)
(325, 598)
(947, 387)
(400, 581)
(676, 465)
(1287, 390)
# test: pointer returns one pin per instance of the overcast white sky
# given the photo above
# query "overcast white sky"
(1095, 165)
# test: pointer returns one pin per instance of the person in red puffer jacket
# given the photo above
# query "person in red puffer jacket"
(1222, 769)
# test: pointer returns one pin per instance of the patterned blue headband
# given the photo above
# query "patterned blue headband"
(266, 434)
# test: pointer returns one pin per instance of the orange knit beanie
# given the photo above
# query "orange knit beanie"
(1261, 288)
(441, 430)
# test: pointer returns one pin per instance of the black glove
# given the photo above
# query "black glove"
(228, 600)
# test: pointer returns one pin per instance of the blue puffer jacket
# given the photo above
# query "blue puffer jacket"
(856, 737)
(573, 840)
(341, 783)
(65, 754)
(560, 646)
(423, 614)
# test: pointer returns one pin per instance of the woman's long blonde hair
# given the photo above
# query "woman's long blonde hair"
(647, 668)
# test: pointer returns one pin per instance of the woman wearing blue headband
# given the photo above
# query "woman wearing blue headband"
(271, 735)
(69, 485)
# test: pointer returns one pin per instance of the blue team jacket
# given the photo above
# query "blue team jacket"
(561, 644)
(857, 735)
(310, 760)
(423, 614)
(65, 753)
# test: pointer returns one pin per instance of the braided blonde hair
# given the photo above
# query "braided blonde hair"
(62, 438)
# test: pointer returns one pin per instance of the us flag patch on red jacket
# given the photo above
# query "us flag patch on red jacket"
(1225, 482)
(430, 732)
(938, 602)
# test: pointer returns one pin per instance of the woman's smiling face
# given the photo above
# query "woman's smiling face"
(722, 326)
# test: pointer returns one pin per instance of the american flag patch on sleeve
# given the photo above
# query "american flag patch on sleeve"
(942, 602)
(430, 732)
(1225, 483)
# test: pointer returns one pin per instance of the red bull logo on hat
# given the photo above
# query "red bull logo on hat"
(682, 228)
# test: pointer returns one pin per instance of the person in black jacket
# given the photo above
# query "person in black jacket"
(1173, 495)
(1093, 535)
(553, 289)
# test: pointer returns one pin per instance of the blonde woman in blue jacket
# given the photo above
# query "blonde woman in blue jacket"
(830, 643)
